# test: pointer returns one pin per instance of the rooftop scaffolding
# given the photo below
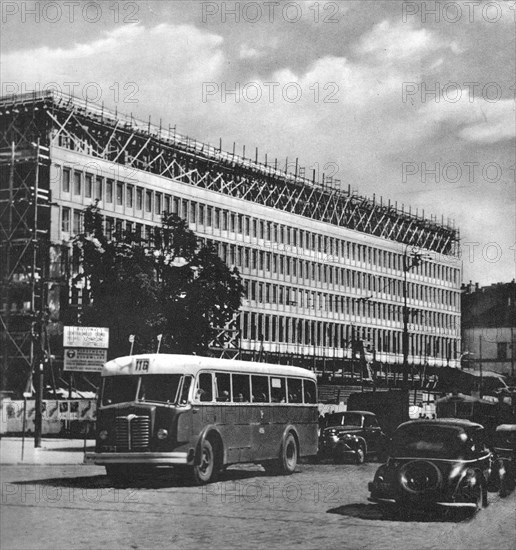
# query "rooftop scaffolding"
(82, 126)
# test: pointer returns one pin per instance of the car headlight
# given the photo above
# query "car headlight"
(162, 433)
(103, 435)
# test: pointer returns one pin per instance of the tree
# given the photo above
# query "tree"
(176, 287)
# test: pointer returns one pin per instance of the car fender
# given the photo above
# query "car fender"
(353, 441)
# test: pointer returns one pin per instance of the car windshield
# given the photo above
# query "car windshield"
(159, 388)
(344, 419)
(429, 441)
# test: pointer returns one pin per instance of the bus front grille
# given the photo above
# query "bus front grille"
(132, 433)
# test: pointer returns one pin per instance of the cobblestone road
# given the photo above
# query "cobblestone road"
(320, 506)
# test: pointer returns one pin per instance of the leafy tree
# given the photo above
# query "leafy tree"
(176, 287)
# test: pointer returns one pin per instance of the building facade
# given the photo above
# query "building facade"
(323, 268)
(488, 327)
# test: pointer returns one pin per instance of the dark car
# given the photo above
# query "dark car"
(352, 434)
(505, 452)
(435, 463)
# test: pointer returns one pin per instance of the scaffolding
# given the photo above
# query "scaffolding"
(118, 138)
(24, 226)
(32, 124)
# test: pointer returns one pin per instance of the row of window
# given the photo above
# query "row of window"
(279, 236)
(292, 330)
(300, 271)
(224, 387)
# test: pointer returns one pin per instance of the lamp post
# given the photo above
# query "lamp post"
(405, 337)
(407, 266)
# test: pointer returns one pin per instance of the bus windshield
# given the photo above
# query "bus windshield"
(159, 388)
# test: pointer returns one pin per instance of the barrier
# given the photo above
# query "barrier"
(58, 416)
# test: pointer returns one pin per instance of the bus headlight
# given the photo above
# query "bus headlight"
(162, 433)
(103, 435)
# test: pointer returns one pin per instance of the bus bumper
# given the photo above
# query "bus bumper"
(136, 458)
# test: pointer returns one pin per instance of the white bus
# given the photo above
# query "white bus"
(203, 414)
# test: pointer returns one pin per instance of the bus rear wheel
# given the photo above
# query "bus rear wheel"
(287, 462)
(206, 471)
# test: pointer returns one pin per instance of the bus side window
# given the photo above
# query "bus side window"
(183, 400)
(205, 389)
(260, 389)
(295, 390)
(222, 383)
(277, 390)
(241, 388)
(309, 391)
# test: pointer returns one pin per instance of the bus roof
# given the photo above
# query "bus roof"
(162, 363)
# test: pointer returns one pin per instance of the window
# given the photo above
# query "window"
(66, 180)
(98, 188)
(501, 351)
(119, 193)
(109, 191)
(223, 387)
(77, 177)
(260, 389)
(205, 389)
(278, 388)
(65, 220)
(129, 196)
(88, 184)
(241, 392)
(109, 228)
(310, 393)
(295, 391)
(166, 206)
(157, 203)
(148, 201)
(76, 221)
(139, 198)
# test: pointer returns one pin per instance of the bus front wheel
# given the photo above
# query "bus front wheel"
(206, 470)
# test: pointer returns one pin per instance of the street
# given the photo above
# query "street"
(320, 506)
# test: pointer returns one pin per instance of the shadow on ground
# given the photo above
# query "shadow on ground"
(160, 479)
(373, 512)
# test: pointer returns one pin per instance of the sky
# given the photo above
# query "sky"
(411, 101)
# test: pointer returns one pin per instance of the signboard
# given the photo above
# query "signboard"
(84, 359)
(86, 337)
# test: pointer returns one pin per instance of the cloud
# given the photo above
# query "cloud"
(401, 41)
(154, 65)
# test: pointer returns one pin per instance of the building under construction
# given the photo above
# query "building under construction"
(329, 275)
